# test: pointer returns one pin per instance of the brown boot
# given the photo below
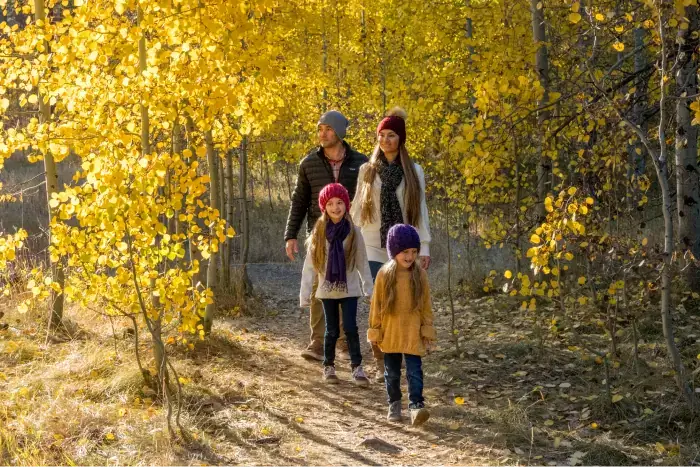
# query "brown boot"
(379, 375)
(313, 352)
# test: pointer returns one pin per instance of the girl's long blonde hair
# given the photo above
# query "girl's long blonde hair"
(412, 193)
(316, 244)
(417, 286)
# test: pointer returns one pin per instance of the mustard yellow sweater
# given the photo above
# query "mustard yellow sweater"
(401, 330)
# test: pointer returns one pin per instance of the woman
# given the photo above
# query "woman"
(390, 190)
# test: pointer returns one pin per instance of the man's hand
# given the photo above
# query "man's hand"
(292, 247)
(425, 262)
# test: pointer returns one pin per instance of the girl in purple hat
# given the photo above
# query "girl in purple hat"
(401, 321)
(336, 255)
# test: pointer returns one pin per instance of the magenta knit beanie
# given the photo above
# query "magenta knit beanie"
(401, 237)
(333, 190)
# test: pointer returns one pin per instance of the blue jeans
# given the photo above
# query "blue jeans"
(374, 267)
(414, 375)
(332, 308)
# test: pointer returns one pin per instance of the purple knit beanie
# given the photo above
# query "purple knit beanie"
(401, 237)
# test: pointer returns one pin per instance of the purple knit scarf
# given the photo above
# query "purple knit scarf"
(336, 277)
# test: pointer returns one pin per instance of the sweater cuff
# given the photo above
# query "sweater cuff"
(374, 335)
(428, 332)
(424, 249)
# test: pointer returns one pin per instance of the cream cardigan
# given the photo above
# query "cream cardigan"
(360, 273)
(370, 231)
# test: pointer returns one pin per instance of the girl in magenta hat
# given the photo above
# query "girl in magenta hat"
(390, 190)
(336, 254)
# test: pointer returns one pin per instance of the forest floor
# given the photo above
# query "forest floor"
(507, 396)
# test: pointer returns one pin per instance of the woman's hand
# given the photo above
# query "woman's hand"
(425, 262)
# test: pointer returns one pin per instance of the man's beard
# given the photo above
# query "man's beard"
(328, 144)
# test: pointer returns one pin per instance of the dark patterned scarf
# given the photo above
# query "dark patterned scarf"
(391, 176)
(336, 277)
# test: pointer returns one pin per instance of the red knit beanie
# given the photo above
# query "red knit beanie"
(396, 122)
(333, 190)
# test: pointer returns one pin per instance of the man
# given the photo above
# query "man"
(333, 161)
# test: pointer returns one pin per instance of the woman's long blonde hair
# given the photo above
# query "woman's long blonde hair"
(412, 193)
(417, 286)
(316, 244)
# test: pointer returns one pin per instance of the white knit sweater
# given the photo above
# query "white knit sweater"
(360, 273)
(370, 231)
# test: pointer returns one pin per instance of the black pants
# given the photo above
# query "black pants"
(414, 375)
(332, 308)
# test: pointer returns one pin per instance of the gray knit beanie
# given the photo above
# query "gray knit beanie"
(335, 120)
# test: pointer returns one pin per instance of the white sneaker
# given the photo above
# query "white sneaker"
(329, 375)
(359, 376)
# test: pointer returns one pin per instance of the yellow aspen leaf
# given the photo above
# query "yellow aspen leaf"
(508, 274)
(535, 239)
(599, 17)
(617, 398)
(575, 17)
(645, 241)
(571, 191)
(619, 46)
(459, 400)
(549, 422)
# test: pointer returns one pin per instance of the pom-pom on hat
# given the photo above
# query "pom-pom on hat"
(333, 190)
(396, 122)
(401, 237)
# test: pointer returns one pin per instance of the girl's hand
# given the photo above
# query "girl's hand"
(428, 344)
(425, 262)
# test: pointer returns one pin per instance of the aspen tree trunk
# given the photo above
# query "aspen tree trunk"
(154, 323)
(544, 165)
(242, 179)
(223, 247)
(226, 203)
(51, 176)
(636, 151)
(210, 311)
(662, 174)
(289, 181)
(687, 176)
(174, 224)
(269, 185)
(230, 206)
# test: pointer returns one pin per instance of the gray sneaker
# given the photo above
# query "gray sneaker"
(329, 375)
(358, 375)
(419, 415)
(394, 414)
